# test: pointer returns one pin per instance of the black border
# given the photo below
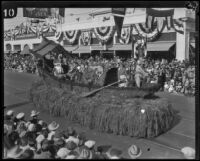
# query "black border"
(111, 4)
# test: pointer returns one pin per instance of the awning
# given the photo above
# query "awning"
(97, 47)
(121, 47)
(161, 46)
(193, 44)
(70, 48)
(82, 49)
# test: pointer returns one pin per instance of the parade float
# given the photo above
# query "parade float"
(101, 106)
(104, 106)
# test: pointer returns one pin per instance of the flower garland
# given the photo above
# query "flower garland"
(86, 38)
(104, 34)
(71, 36)
(178, 26)
(125, 35)
(150, 36)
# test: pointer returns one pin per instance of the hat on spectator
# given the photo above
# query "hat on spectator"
(20, 115)
(59, 142)
(85, 153)
(15, 152)
(71, 145)
(27, 123)
(53, 126)
(114, 153)
(10, 113)
(22, 133)
(34, 113)
(90, 144)
(40, 138)
(40, 122)
(62, 153)
(134, 151)
(28, 154)
(189, 153)
(32, 128)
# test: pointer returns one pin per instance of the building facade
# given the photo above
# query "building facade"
(95, 33)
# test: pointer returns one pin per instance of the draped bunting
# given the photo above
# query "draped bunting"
(104, 34)
(58, 35)
(125, 35)
(149, 35)
(71, 36)
(86, 38)
(159, 16)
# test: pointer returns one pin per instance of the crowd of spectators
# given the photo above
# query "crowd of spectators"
(179, 76)
(35, 139)
(20, 63)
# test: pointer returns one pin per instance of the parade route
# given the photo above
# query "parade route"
(165, 146)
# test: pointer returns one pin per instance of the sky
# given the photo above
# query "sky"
(11, 23)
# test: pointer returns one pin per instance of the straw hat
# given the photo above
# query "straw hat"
(63, 153)
(114, 153)
(134, 151)
(10, 113)
(32, 127)
(189, 153)
(40, 138)
(53, 126)
(85, 154)
(20, 115)
(34, 113)
(90, 144)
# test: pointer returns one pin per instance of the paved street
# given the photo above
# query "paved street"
(167, 145)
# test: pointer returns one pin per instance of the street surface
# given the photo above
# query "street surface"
(165, 146)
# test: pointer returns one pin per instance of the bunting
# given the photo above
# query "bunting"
(104, 34)
(71, 36)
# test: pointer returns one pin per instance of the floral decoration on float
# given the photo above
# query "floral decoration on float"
(104, 34)
(71, 36)
(86, 37)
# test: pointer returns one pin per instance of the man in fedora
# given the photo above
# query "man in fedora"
(34, 117)
(52, 127)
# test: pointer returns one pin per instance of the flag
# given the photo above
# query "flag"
(118, 14)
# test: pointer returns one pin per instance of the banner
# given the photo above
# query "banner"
(118, 14)
(43, 12)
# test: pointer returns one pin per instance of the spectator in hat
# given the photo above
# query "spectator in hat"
(70, 145)
(62, 153)
(20, 118)
(134, 152)
(72, 136)
(90, 144)
(45, 154)
(34, 117)
(52, 127)
(114, 153)
(85, 153)
(188, 152)
(8, 119)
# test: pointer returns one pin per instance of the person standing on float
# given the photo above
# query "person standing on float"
(140, 74)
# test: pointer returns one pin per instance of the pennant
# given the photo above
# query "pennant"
(118, 14)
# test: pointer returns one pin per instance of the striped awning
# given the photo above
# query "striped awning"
(159, 46)
(82, 49)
